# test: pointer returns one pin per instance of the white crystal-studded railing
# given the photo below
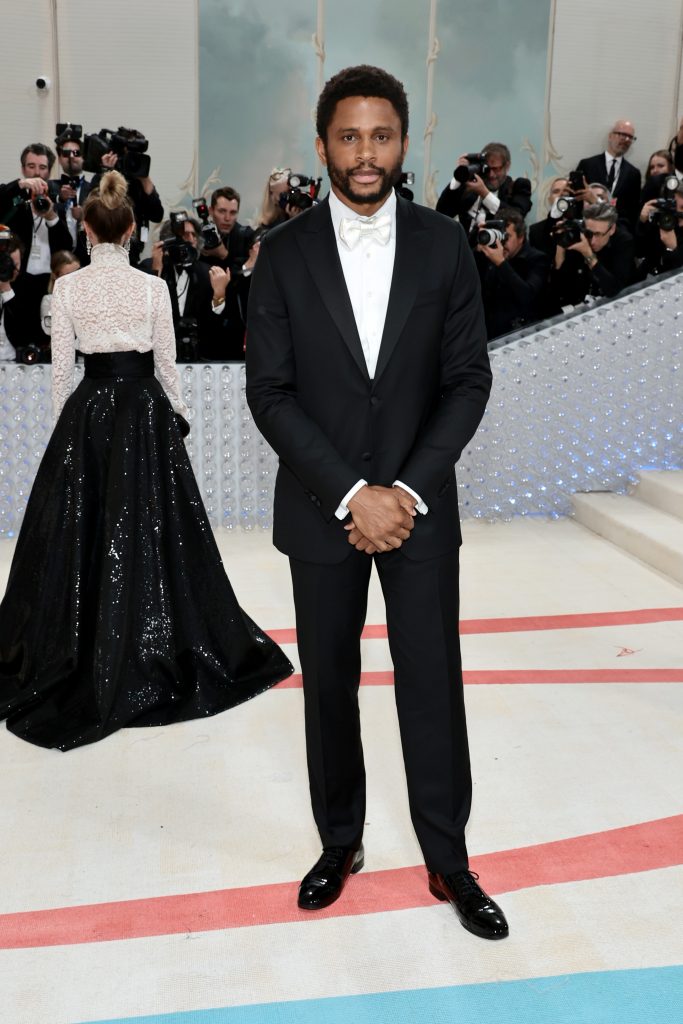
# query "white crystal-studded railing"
(579, 406)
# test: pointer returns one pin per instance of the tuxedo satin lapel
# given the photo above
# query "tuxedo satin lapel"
(319, 249)
(412, 245)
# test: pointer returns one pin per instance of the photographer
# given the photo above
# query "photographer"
(71, 190)
(593, 257)
(541, 233)
(128, 155)
(513, 274)
(26, 208)
(659, 237)
(197, 292)
(236, 253)
(480, 185)
(19, 339)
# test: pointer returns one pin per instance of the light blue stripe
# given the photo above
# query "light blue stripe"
(652, 995)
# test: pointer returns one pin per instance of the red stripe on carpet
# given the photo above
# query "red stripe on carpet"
(528, 623)
(620, 851)
(505, 676)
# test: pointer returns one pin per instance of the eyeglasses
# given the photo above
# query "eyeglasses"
(596, 234)
(625, 135)
(70, 152)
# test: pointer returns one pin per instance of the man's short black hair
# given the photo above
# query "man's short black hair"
(362, 80)
(513, 218)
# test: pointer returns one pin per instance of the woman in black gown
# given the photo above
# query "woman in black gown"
(118, 611)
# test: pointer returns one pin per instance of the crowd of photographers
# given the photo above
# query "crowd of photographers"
(604, 230)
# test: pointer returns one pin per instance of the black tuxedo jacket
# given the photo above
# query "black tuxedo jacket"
(457, 202)
(311, 396)
(627, 189)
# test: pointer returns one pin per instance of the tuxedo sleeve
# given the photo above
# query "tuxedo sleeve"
(519, 197)
(272, 394)
(465, 384)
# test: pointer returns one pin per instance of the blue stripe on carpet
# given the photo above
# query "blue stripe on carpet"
(654, 995)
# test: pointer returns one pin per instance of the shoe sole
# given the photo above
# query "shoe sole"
(479, 932)
(328, 903)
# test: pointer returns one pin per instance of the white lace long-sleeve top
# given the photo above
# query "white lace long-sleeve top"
(111, 307)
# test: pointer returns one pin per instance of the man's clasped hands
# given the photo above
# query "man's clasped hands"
(382, 518)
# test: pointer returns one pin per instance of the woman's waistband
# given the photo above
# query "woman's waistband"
(119, 364)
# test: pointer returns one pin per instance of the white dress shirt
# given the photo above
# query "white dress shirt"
(40, 255)
(608, 163)
(368, 270)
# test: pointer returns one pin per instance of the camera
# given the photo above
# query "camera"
(569, 232)
(209, 231)
(476, 165)
(30, 354)
(41, 204)
(492, 234)
(187, 339)
(129, 145)
(569, 208)
(66, 131)
(301, 193)
(407, 178)
(7, 267)
(665, 214)
(182, 254)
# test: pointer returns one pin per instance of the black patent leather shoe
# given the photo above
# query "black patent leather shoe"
(324, 882)
(477, 911)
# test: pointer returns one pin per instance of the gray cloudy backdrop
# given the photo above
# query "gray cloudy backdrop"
(258, 79)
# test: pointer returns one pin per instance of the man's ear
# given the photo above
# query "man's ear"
(320, 150)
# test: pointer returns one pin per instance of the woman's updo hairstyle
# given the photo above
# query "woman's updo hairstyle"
(107, 210)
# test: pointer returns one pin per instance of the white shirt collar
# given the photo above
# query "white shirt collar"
(339, 209)
(609, 158)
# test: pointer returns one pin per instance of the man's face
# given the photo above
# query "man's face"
(497, 172)
(601, 233)
(188, 233)
(224, 214)
(621, 138)
(35, 166)
(363, 151)
(513, 242)
(70, 158)
(560, 187)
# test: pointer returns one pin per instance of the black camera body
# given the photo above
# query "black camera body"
(570, 232)
(210, 234)
(301, 193)
(492, 233)
(665, 214)
(569, 208)
(130, 147)
(66, 131)
(187, 339)
(181, 254)
(476, 166)
(31, 354)
(7, 267)
(41, 204)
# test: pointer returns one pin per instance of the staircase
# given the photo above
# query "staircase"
(647, 524)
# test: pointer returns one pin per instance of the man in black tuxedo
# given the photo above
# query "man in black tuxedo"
(612, 169)
(71, 190)
(367, 371)
(600, 263)
(479, 200)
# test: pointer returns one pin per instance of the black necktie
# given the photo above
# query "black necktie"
(611, 175)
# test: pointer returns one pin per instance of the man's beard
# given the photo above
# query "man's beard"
(343, 181)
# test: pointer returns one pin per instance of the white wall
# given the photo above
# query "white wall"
(120, 62)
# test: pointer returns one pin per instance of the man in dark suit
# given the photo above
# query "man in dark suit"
(71, 190)
(612, 169)
(479, 200)
(367, 371)
(514, 277)
(600, 263)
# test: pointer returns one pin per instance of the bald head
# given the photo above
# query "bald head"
(620, 138)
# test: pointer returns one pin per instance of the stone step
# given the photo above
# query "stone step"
(653, 536)
(663, 489)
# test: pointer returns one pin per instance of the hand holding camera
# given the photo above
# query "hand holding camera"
(36, 186)
(220, 279)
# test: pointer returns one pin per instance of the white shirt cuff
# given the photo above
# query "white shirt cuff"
(421, 507)
(247, 272)
(218, 309)
(6, 296)
(453, 184)
(491, 202)
(342, 512)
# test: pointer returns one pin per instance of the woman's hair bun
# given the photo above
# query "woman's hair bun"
(113, 189)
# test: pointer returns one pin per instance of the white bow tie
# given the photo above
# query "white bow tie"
(351, 229)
